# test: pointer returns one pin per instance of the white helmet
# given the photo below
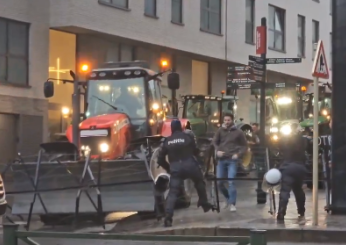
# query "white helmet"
(273, 177)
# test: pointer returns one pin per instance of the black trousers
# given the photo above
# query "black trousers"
(180, 171)
(292, 179)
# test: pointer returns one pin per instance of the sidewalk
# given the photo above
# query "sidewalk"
(249, 216)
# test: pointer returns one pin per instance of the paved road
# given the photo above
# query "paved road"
(249, 215)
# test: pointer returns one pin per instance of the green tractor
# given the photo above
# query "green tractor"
(204, 117)
(324, 108)
(283, 111)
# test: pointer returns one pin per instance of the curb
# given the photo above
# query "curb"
(273, 235)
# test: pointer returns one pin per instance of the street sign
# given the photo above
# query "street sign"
(239, 68)
(258, 85)
(240, 74)
(258, 72)
(257, 59)
(320, 67)
(258, 78)
(261, 40)
(272, 61)
(256, 66)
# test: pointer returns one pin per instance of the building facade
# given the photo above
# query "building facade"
(24, 42)
(199, 37)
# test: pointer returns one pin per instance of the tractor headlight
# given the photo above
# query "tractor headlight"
(286, 130)
(155, 106)
(104, 147)
(274, 130)
(324, 112)
(275, 137)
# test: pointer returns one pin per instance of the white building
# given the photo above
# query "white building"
(200, 37)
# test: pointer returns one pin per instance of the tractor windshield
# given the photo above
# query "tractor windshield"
(287, 105)
(228, 106)
(204, 115)
(324, 106)
(120, 95)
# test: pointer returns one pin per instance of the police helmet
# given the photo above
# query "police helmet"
(273, 177)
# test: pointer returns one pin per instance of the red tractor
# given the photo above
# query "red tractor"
(123, 124)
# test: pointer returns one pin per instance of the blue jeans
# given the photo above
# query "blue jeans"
(227, 168)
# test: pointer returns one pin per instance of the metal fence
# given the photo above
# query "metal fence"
(12, 235)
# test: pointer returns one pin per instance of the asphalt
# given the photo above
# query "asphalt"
(249, 216)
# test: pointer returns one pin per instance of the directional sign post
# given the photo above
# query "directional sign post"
(275, 61)
(319, 70)
(240, 75)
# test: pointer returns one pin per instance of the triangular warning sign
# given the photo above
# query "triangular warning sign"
(320, 67)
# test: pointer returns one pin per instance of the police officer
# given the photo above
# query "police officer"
(181, 150)
(293, 171)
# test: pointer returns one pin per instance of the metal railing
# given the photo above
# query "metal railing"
(11, 236)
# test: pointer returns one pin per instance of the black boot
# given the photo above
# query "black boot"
(280, 217)
(281, 214)
(168, 222)
(301, 215)
(206, 206)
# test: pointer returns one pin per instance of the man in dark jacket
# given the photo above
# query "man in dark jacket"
(181, 150)
(293, 171)
(230, 145)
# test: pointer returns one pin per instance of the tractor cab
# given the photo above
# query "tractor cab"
(283, 109)
(203, 113)
(229, 104)
(324, 106)
(122, 103)
(116, 91)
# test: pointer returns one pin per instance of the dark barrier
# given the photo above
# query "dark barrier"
(63, 173)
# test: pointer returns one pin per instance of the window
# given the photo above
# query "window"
(177, 11)
(211, 16)
(14, 40)
(315, 36)
(276, 28)
(117, 3)
(250, 21)
(301, 36)
(150, 8)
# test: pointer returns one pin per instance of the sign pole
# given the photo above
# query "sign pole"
(315, 156)
(261, 195)
(319, 70)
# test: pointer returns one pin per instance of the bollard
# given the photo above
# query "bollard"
(258, 237)
(9, 234)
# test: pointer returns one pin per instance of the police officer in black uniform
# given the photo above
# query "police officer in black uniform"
(182, 151)
(293, 170)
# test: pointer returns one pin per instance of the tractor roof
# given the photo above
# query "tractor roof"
(126, 65)
(201, 97)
